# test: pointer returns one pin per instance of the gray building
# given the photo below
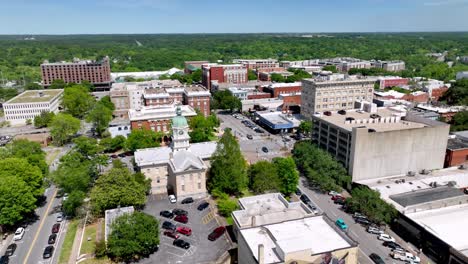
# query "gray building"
(382, 142)
(322, 95)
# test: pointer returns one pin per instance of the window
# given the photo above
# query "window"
(158, 180)
(325, 100)
(182, 187)
(199, 185)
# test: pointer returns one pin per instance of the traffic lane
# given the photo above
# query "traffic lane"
(367, 242)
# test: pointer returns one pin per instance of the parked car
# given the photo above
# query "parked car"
(181, 243)
(312, 207)
(181, 218)
(359, 215)
(166, 214)
(177, 211)
(249, 136)
(4, 260)
(187, 200)
(48, 251)
(341, 224)
(203, 206)
(172, 198)
(114, 156)
(171, 234)
(19, 233)
(374, 230)
(265, 149)
(10, 249)
(304, 198)
(168, 225)
(338, 196)
(333, 193)
(376, 258)
(219, 231)
(184, 230)
(405, 256)
(340, 201)
(55, 228)
(298, 191)
(386, 237)
(59, 217)
(392, 245)
(122, 155)
(363, 221)
(52, 239)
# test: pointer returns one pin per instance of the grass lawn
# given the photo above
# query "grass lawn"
(68, 242)
(104, 260)
(88, 247)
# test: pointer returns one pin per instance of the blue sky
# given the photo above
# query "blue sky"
(235, 16)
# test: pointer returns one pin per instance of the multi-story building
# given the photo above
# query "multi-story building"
(157, 118)
(191, 66)
(96, 72)
(391, 81)
(258, 64)
(391, 66)
(345, 64)
(266, 76)
(228, 73)
(198, 97)
(378, 142)
(29, 104)
(239, 93)
(457, 149)
(180, 168)
(276, 89)
(322, 96)
(269, 229)
(288, 64)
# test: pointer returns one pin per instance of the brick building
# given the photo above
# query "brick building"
(258, 95)
(258, 64)
(233, 73)
(191, 66)
(385, 82)
(158, 118)
(266, 75)
(96, 72)
(457, 152)
(437, 93)
(276, 89)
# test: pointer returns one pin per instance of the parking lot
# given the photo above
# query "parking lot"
(202, 224)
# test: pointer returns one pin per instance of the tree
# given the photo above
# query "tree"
(368, 202)
(62, 127)
(202, 127)
(251, 75)
(21, 169)
(75, 200)
(73, 174)
(33, 86)
(196, 76)
(16, 200)
(305, 127)
(86, 146)
(263, 177)
(106, 101)
(133, 237)
(225, 100)
(57, 84)
(77, 101)
(44, 119)
(331, 68)
(287, 174)
(228, 171)
(143, 138)
(118, 187)
(31, 151)
(113, 144)
(100, 116)
(460, 121)
(276, 77)
(227, 206)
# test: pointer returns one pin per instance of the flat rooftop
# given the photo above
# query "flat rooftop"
(426, 195)
(446, 223)
(312, 234)
(35, 96)
(385, 119)
(280, 120)
(268, 209)
(159, 112)
(456, 143)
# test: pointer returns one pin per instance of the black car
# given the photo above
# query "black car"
(339, 201)
(168, 225)
(48, 251)
(181, 243)
(376, 258)
(52, 239)
(122, 155)
(179, 212)
(362, 221)
(10, 250)
(4, 260)
(265, 149)
(166, 214)
(203, 206)
(305, 198)
(298, 191)
(392, 245)
(249, 137)
(187, 200)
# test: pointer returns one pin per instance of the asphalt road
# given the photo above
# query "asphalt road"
(368, 243)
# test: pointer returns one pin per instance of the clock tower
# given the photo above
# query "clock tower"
(180, 129)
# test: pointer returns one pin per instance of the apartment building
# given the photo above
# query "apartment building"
(29, 104)
(229, 73)
(96, 72)
(376, 142)
(258, 64)
(323, 95)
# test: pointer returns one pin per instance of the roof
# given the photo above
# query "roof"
(426, 195)
(277, 120)
(312, 234)
(185, 160)
(179, 121)
(456, 144)
(461, 134)
(159, 112)
(146, 74)
(36, 96)
(282, 85)
(112, 214)
(268, 209)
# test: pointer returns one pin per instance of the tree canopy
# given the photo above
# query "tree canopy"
(287, 173)
(62, 127)
(263, 177)
(226, 100)
(143, 138)
(16, 200)
(77, 101)
(368, 201)
(202, 128)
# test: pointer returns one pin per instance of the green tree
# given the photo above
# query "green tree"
(117, 187)
(305, 127)
(331, 68)
(276, 77)
(100, 116)
(143, 138)
(33, 86)
(227, 206)
(133, 237)
(16, 200)
(44, 119)
(77, 101)
(74, 201)
(31, 151)
(202, 128)
(106, 101)
(196, 75)
(21, 169)
(86, 146)
(62, 127)
(263, 177)
(287, 174)
(228, 172)
(57, 84)
(368, 202)
(460, 121)
(225, 100)
(251, 75)
(113, 144)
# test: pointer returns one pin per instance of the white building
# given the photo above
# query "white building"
(239, 93)
(462, 75)
(148, 75)
(30, 104)
(111, 215)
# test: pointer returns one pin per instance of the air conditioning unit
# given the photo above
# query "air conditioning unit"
(463, 167)
(425, 172)
(411, 173)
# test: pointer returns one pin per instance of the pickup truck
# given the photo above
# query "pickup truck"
(407, 257)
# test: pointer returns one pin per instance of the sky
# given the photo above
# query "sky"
(230, 16)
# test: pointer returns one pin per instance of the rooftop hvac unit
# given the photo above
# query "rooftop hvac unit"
(463, 167)
(411, 173)
(425, 172)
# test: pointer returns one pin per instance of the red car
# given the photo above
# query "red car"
(171, 234)
(334, 197)
(55, 228)
(219, 231)
(181, 218)
(184, 230)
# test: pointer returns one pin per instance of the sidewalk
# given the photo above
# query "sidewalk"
(4, 243)
(74, 255)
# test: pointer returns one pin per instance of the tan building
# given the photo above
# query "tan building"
(180, 168)
(323, 95)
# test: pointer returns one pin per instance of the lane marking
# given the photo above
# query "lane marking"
(41, 225)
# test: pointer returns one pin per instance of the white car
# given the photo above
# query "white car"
(59, 218)
(172, 198)
(19, 234)
(333, 193)
(386, 237)
(405, 256)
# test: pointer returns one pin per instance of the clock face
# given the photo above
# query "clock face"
(181, 132)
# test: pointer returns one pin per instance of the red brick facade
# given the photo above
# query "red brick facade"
(223, 74)
(437, 93)
(155, 125)
(256, 95)
(277, 90)
(291, 100)
(420, 98)
(202, 103)
(455, 157)
(393, 82)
